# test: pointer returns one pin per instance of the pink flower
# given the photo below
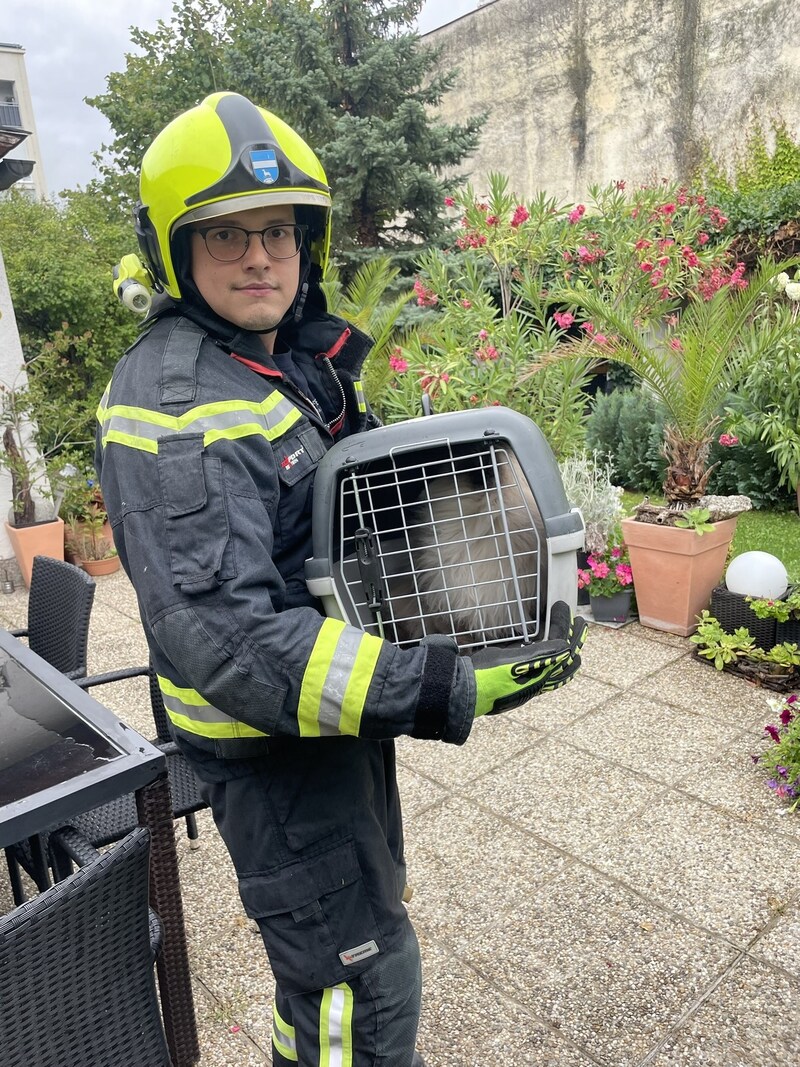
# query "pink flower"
(563, 319)
(492, 220)
(588, 327)
(584, 579)
(642, 244)
(398, 365)
(521, 214)
(425, 297)
(599, 568)
(466, 304)
(620, 185)
(616, 552)
(483, 334)
(449, 201)
(773, 732)
(624, 573)
(702, 238)
(600, 339)
(728, 440)
(566, 256)
(676, 344)
(576, 214)
(444, 377)
(646, 266)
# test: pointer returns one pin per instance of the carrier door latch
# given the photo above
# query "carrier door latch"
(369, 570)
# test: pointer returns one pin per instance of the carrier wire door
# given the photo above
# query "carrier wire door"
(453, 524)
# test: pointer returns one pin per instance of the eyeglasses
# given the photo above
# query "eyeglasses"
(229, 243)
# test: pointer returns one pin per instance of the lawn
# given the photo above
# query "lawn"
(776, 532)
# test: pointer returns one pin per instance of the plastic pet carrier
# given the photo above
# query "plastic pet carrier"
(450, 524)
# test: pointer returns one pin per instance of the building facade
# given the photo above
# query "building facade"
(16, 113)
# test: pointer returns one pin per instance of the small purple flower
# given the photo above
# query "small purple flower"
(786, 716)
(772, 783)
(782, 771)
(791, 698)
(773, 732)
(755, 759)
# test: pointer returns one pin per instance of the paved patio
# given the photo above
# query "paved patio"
(600, 878)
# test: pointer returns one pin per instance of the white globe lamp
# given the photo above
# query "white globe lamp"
(757, 574)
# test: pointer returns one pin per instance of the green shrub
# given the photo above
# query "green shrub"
(627, 426)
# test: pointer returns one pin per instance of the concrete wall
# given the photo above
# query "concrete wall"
(583, 91)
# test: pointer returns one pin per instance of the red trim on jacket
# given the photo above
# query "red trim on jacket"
(337, 346)
(259, 368)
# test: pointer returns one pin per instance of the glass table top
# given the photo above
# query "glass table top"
(43, 741)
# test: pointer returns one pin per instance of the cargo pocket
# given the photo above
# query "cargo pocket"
(196, 514)
(316, 919)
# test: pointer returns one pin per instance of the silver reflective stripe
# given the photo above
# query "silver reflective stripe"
(340, 671)
(283, 1036)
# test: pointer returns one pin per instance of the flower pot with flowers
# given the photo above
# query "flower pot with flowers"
(608, 579)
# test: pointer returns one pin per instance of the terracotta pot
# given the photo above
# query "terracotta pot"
(40, 539)
(675, 571)
(616, 608)
(100, 566)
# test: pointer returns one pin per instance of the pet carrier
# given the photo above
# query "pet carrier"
(450, 524)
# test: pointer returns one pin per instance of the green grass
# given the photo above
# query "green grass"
(776, 532)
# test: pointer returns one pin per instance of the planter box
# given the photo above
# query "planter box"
(733, 611)
(674, 571)
(788, 631)
(758, 674)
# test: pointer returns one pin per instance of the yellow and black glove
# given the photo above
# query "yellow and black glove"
(507, 677)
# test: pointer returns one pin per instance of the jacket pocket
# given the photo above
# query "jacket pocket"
(316, 919)
(196, 514)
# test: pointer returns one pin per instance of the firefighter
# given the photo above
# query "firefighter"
(209, 434)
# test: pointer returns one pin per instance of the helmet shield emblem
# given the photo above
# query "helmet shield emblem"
(265, 166)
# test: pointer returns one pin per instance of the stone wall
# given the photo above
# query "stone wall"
(581, 92)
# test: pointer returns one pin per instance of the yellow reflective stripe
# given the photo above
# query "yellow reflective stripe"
(191, 712)
(144, 444)
(141, 428)
(356, 693)
(361, 399)
(101, 407)
(283, 1036)
(336, 680)
(336, 1027)
(316, 672)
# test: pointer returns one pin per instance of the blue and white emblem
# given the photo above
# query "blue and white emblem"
(265, 166)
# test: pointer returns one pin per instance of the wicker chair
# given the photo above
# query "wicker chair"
(59, 606)
(76, 966)
(113, 820)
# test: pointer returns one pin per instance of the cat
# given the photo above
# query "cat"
(458, 577)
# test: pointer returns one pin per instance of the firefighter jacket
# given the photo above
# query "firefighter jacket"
(206, 453)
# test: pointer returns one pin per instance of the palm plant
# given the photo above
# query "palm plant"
(368, 303)
(692, 362)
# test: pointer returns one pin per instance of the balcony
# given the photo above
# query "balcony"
(9, 115)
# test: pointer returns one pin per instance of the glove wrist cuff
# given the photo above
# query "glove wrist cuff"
(435, 692)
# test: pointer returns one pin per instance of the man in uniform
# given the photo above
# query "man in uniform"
(209, 435)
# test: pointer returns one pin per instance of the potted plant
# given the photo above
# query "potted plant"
(608, 579)
(776, 668)
(692, 358)
(589, 487)
(782, 760)
(32, 528)
(89, 541)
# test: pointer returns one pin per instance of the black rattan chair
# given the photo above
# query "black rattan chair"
(59, 606)
(76, 966)
(112, 821)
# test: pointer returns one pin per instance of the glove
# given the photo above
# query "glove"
(507, 677)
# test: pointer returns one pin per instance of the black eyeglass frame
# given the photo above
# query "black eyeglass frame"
(300, 228)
